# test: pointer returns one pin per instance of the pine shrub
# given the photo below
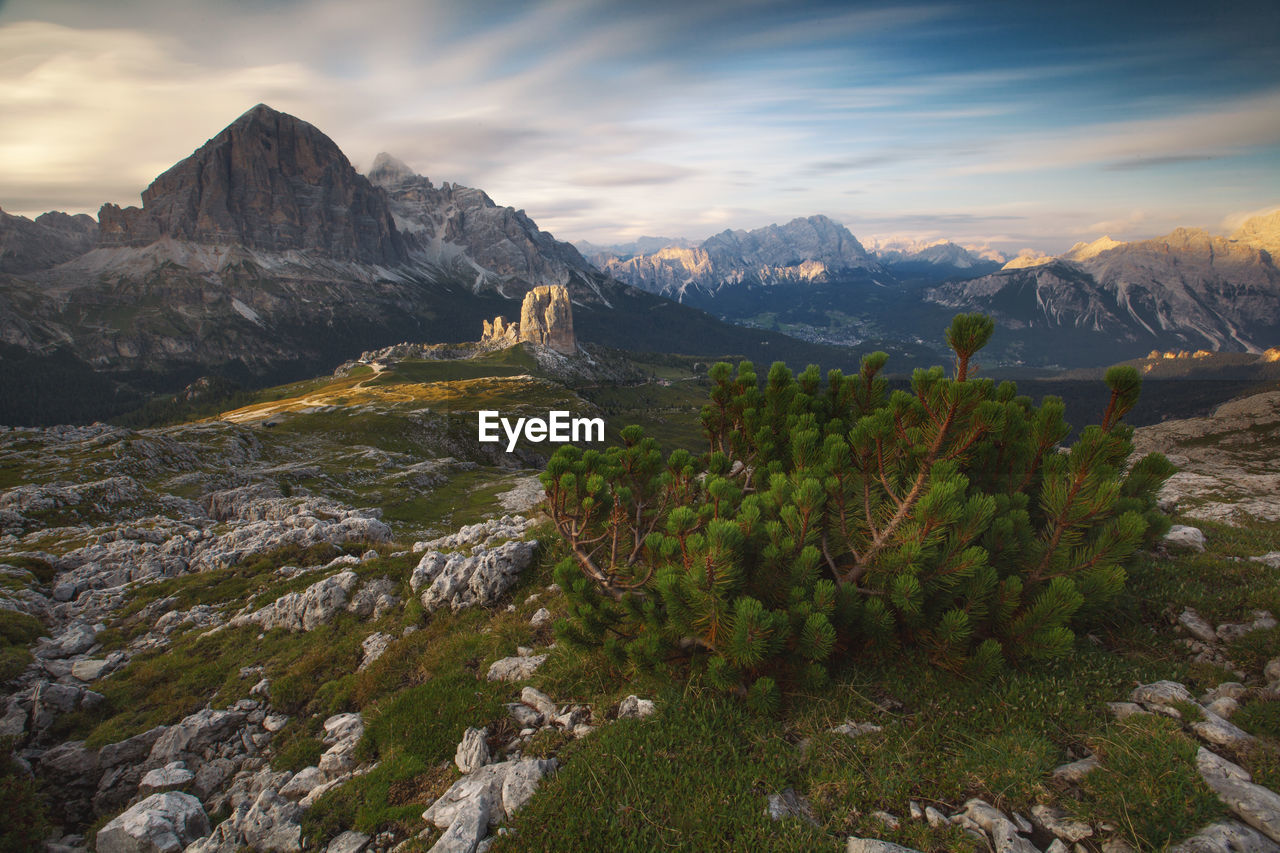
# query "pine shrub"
(830, 520)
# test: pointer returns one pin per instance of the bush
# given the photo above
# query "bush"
(825, 521)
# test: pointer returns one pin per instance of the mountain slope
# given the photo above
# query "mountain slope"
(1188, 289)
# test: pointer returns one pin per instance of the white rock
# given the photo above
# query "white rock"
(1183, 536)
(1075, 771)
(162, 823)
(502, 787)
(516, 668)
(633, 707)
(852, 729)
(88, 670)
(1058, 823)
(374, 646)
(303, 783)
(539, 701)
(1227, 836)
(170, 777)
(1161, 694)
(871, 845)
(889, 820)
(348, 842)
(542, 617)
(1255, 805)
(1215, 730)
(1197, 627)
(473, 750)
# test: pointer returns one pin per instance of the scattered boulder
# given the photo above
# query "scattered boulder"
(633, 707)
(1059, 824)
(485, 798)
(849, 728)
(162, 823)
(871, 845)
(1197, 627)
(1185, 537)
(1075, 771)
(473, 750)
(459, 580)
(1227, 836)
(306, 610)
(374, 646)
(1255, 805)
(789, 804)
(516, 668)
(172, 776)
(349, 842)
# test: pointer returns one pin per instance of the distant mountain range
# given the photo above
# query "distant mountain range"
(1098, 303)
(265, 256)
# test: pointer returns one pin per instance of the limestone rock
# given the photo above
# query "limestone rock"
(172, 776)
(502, 788)
(1227, 836)
(546, 318)
(374, 646)
(871, 845)
(473, 751)
(162, 823)
(789, 804)
(635, 708)
(1255, 805)
(1075, 771)
(1197, 627)
(1185, 537)
(516, 668)
(1059, 824)
(349, 842)
(306, 610)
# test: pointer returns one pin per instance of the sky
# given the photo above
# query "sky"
(1011, 125)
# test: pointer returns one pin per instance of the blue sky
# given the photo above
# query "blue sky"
(1004, 124)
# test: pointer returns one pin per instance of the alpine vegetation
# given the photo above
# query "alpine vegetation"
(828, 521)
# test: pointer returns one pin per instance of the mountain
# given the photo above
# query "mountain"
(270, 182)
(1114, 300)
(937, 258)
(457, 230)
(804, 250)
(265, 257)
(53, 238)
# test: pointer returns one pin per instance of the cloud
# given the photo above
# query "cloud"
(632, 174)
(1155, 162)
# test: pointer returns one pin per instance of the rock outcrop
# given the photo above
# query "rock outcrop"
(268, 181)
(546, 319)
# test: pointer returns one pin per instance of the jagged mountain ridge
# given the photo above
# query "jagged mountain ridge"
(50, 239)
(1187, 289)
(809, 249)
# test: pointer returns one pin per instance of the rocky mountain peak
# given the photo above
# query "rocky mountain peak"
(390, 172)
(1261, 232)
(53, 238)
(267, 181)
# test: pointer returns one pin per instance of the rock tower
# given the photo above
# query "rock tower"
(546, 319)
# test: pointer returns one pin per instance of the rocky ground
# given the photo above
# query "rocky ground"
(230, 650)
